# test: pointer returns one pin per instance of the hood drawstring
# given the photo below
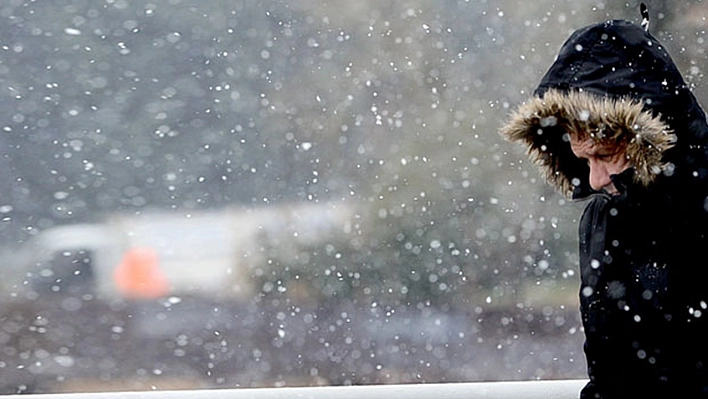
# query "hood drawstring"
(645, 17)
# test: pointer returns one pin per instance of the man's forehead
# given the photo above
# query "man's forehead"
(589, 146)
(585, 146)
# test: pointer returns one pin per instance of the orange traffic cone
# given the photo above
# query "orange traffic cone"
(138, 275)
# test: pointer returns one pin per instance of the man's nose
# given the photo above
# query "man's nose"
(599, 177)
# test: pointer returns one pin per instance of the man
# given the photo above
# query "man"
(613, 122)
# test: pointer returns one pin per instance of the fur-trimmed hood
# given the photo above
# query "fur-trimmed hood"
(615, 83)
(543, 124)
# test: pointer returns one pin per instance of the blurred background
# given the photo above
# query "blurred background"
(241, 193)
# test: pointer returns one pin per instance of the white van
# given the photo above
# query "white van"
(162, 254)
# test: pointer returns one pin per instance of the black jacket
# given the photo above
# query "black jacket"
(644, 252)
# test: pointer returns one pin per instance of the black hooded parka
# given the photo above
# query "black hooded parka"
(644, 251)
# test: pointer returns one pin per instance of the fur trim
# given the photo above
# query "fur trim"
(543, 125)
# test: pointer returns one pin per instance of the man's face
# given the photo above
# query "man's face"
(603, 160)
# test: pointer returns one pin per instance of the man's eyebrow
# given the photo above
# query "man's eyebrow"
(604, 151)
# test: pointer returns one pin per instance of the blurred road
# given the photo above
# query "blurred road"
(182, 343)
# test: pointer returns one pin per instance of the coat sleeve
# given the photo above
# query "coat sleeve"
(592, 233)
